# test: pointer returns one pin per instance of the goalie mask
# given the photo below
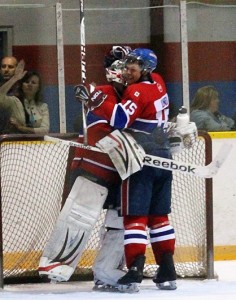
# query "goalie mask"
(114, 72)
(116, 53)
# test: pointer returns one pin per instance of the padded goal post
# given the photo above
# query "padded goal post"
(34, 176)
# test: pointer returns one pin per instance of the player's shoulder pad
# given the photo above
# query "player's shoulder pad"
(133, 91)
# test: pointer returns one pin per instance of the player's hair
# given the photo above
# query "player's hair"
(38, 95)
(28, 75)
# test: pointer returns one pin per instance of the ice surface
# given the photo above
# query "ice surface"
(222, 289)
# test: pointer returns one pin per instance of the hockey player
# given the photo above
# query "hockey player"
(109, 263)
(93, 172)
(146, 195)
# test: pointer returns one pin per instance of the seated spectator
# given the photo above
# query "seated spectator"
(29, 114)
(5, 125)
(205, 111)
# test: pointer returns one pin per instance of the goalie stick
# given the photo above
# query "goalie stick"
(83, 65)
(207, 171)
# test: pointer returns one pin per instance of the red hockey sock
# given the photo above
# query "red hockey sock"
(162, 236)
(135, 238)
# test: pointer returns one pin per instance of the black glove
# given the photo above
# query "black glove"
(92, 100)
(81, 93)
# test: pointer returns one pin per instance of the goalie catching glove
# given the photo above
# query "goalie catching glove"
(125, 153)
(91, 99)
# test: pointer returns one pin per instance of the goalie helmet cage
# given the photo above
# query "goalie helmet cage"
(34, 184)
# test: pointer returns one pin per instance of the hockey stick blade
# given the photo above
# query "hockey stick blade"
(212, 169)
(207, 171)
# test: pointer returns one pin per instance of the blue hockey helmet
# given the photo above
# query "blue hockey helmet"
(146, 59)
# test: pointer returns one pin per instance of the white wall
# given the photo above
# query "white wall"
(224, 194)
(205, 22)
(104, 24)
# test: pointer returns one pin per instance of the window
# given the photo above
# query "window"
(5, 41)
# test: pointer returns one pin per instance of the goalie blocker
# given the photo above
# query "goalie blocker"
(125, 153)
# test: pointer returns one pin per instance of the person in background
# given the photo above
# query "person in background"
(29, 114)
(8, 67)
(7, 70)
(205, 111)
(4, 120)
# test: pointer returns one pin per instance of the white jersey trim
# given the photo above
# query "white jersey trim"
(96, 163)
(97, 122)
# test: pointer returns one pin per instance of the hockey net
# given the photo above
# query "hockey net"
(34, 176)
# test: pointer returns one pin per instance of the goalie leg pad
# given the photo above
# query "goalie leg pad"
(73, 228)
(109, 262)
(54, 271)
(112, 219)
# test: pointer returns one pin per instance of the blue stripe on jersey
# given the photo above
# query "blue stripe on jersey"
(92, 118)
(162, 233)
(119, 119)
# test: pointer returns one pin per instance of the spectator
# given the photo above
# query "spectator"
(4, 120)
(7, 70)
(29, 114)
(205, 111)
(8, 67)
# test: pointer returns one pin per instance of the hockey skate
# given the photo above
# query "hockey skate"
(100, 286)
(165, 277)
(130, 283)
(56, 271)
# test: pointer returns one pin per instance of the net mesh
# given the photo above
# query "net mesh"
(33, 175)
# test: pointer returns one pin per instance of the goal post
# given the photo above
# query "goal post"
(34, 184)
